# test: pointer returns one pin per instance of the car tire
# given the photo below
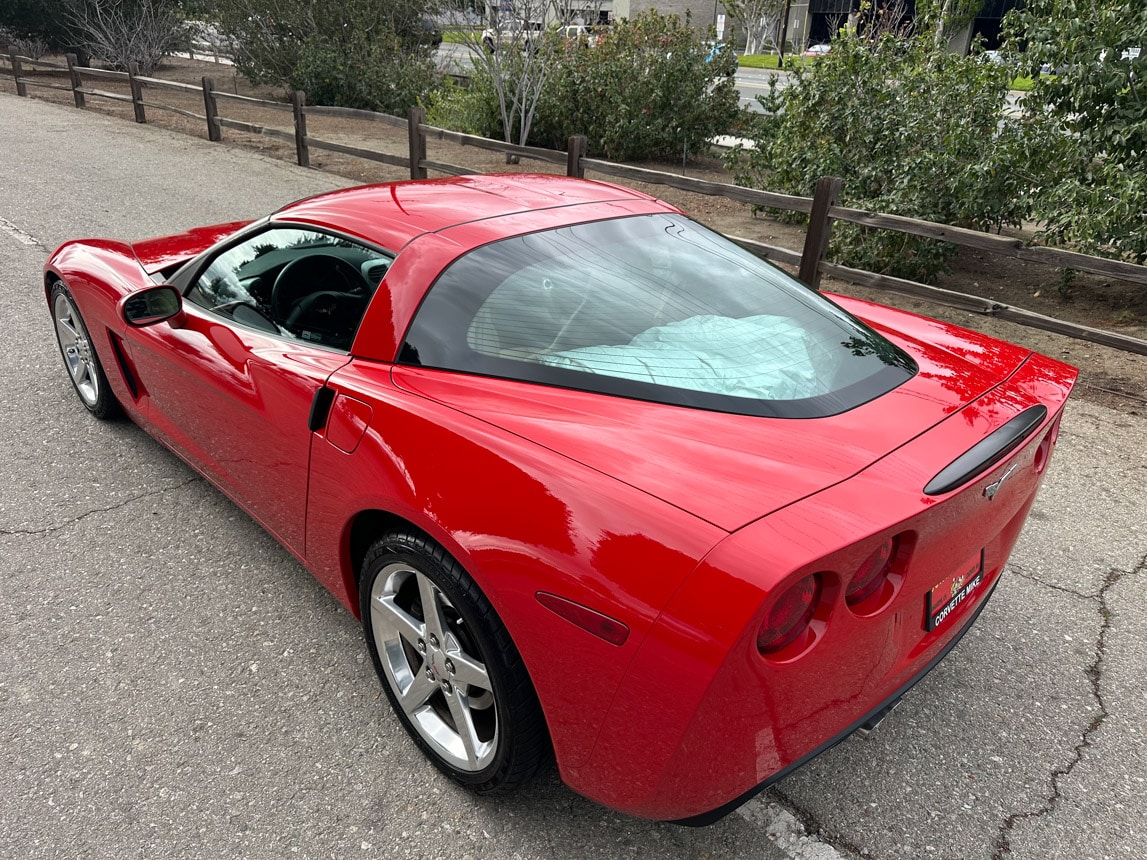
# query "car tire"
(488, 46)
(79, 354)
(453, 677)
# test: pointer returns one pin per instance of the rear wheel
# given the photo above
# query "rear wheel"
(450, 670)
(80, 359)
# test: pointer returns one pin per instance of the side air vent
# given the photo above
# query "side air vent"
(124, 364)
(987, 452)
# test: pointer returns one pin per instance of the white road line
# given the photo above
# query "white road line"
(787, 833)
(19, 235)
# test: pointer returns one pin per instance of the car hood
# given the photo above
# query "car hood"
(732, 469)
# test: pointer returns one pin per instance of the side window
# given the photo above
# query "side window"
(302, 284)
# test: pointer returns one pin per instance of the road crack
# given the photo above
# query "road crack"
(52, 529)
(21, 236)
(1031, 577)
(814, 828)
(1094, 675)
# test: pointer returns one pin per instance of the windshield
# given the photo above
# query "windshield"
(656, 308)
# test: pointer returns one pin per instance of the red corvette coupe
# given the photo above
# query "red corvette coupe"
(598, 482)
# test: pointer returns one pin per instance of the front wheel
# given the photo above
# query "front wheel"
(449, 668)
(80, 359)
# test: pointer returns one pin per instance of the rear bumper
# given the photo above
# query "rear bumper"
(877, 714)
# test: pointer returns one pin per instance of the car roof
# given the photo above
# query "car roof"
(393, 214)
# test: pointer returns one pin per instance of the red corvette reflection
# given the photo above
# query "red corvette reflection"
(596, 480)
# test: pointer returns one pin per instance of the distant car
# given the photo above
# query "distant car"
(722, 55)
(430, 32)
(816, 50)
(522, 36)
(580, 34)
(595, 479)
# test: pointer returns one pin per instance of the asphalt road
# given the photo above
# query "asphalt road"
(173, 684)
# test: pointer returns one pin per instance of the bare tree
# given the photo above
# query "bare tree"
(517, 50)
(33, 46)
(122, 32)
(886, 18)
(761, 20)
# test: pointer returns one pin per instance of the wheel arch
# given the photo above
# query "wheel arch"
(51, 278)
(364, 529)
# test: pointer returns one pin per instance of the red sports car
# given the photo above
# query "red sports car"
(597, 481)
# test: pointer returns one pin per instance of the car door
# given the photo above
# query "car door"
(232, 383)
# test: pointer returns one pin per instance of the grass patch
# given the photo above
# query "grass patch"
(457, 37)
(772, 61)
(758, 61)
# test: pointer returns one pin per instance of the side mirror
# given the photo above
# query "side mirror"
(153, 305)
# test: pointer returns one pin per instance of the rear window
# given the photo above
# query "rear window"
(655, 308)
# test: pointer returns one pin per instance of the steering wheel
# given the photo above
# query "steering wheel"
(314, 273)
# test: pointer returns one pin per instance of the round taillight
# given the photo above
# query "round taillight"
(790, 615)
(1042, 453)
(871, 575)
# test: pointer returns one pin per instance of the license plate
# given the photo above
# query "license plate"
(949, 593)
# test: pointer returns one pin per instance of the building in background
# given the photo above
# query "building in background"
(809, 22)
(812, 22)
(701, 13)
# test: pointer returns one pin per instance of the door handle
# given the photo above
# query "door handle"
(320, 409)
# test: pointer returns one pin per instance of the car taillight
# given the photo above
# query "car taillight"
(790, 615)
(1043, 452)
(871, 575)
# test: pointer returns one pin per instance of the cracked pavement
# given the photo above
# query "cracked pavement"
(173, 683)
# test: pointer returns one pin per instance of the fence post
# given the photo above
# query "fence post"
(17, 71)
(211, 110)
(415, 117)
(298, 103)
(77, 83)
(575, 152)
(819, 229)
(136, 92)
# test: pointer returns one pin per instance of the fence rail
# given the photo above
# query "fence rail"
(822, 208)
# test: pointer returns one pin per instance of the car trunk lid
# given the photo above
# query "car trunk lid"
(732, 469)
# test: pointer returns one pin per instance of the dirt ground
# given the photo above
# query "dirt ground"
(1115, 378)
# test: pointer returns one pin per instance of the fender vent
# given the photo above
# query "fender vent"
(124, 364)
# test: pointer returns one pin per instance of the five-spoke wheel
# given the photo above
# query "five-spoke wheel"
(80, 356)
(449, 668)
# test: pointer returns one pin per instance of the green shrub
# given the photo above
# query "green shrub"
(646, 91)
(912, 130)
(1095, 197)
(378, 74)
(284, 41)
(35, 21)
(472, 109)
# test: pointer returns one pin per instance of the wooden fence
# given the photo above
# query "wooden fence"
(822, 208)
